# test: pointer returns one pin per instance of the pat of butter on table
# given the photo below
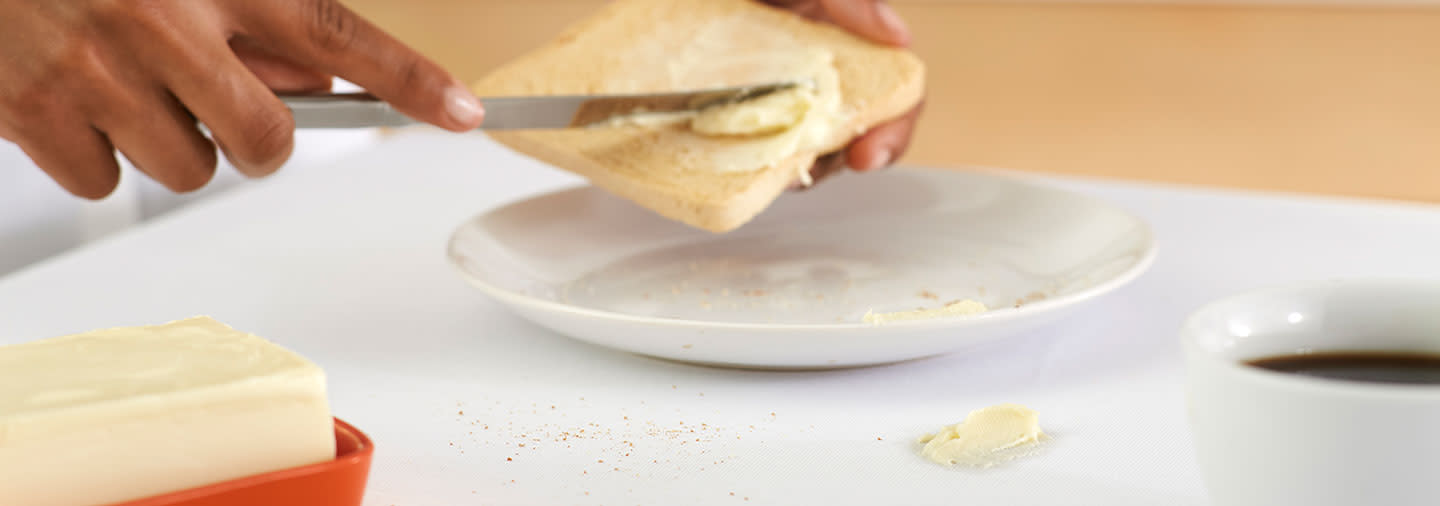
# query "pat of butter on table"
(987, 436)
(122, 414)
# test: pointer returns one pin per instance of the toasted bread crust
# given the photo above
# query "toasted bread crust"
(878, 84)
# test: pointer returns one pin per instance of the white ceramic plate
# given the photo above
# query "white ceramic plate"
(790, 289)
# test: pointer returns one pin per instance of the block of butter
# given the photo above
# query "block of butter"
(127, 413)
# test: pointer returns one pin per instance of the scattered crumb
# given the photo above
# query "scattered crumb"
(927, 294)
(1029, 298)
(688, 346)
(756, 293)
(621, 443)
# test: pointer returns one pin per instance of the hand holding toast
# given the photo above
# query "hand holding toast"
(877, 21)
(85, 77)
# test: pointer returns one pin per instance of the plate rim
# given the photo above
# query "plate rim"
(1142, 265)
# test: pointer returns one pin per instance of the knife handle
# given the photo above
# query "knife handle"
(343, 110)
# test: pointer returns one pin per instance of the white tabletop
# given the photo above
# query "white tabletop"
(345, 264)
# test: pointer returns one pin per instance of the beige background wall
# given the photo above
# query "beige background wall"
(1285, 97)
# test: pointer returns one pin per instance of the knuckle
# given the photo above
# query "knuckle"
(110, 12)
(22, 105)
(412, 74)
(268, 139)
(114, 109)
(82, 60)
(132, 16)
(32, 93)
(31, 118)
(330, 26)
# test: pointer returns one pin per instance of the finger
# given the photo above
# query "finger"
(44, 115)
(252, 126)
(74, 154)
(884, 144)
(327, 36)
(824, 167)
(872, 19)
(277, 73)
(827, 166)
(810, 9)
(186, 55)
(160, 138)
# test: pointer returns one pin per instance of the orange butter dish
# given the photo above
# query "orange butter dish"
(339, 482)
(190, 412)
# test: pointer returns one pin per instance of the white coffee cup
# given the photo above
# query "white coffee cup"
(1267, 438)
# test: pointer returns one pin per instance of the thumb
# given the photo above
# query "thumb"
(872, 19)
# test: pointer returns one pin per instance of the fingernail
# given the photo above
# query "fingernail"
(463, 107)
(893, 23)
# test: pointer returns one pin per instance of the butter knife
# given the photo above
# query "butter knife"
(362, 110)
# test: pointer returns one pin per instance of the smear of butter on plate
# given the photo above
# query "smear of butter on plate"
(958, 308)
(987, 437)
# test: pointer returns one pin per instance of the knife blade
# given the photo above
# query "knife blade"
(362, 110)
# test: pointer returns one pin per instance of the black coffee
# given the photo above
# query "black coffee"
(1373, 367)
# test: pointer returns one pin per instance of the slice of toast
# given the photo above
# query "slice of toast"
(716, 183)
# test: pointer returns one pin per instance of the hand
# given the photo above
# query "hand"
(874, 20)
(85, 77)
